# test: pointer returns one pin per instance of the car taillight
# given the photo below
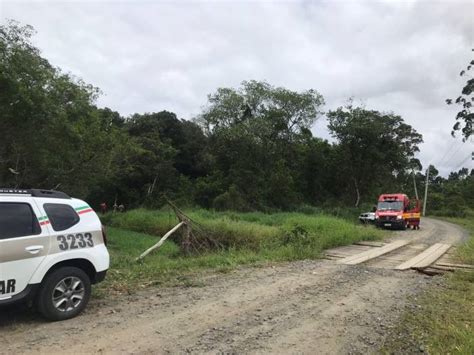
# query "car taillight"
(104, 235)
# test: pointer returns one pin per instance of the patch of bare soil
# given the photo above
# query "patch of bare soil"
(302, 307)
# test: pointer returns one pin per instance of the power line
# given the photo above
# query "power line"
(452, 155)
(445, 154)
(464, 161)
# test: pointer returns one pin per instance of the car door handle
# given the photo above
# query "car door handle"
(34, 249)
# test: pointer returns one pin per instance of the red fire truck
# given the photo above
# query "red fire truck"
(397, 211)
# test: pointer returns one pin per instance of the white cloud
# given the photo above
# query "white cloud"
(153, 55)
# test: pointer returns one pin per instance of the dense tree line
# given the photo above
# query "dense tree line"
(452, 196)
(250, 149)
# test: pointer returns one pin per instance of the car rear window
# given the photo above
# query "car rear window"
(17, 220)
(61, 216)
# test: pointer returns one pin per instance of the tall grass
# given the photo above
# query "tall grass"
(254, 231)
(164, 266)
(249, 238)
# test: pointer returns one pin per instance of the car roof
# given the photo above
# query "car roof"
(34, 193)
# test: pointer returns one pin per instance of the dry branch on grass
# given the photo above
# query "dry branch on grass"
(194, 237)
(160, 243)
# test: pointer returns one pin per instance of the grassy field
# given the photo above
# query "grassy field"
(444, 321)
(248, 238)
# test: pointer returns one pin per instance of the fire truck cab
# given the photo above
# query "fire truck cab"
(397, 211)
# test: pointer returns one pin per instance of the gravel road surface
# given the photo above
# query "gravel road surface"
(302, 307)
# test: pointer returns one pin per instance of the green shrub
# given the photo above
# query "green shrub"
(241, 234)
(230, 200)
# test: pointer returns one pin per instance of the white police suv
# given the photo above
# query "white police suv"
(52, 248)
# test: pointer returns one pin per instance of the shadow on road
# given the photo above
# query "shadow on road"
(18, 314)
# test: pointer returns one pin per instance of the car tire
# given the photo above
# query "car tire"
(63, 294)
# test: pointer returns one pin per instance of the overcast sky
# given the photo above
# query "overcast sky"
(400, 56)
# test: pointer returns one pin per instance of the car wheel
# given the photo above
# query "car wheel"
(64, 293)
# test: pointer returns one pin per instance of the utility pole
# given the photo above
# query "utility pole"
(426, 190)
(414, 183)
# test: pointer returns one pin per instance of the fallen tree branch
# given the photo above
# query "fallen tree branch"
(162, 240)
(195, 236)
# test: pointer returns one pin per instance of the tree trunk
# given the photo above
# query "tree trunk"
(152, 187)
(357, 193)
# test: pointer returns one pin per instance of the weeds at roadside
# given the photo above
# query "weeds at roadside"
(250, 239)
(444, 322)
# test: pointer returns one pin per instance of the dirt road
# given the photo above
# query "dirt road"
(301, 307)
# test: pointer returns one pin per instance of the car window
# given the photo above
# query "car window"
(17, 220)
(61, 216)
